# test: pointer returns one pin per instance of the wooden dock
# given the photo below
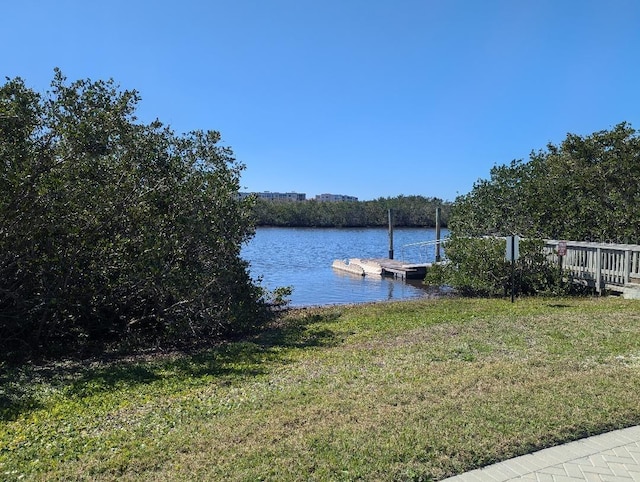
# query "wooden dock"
(382, 267)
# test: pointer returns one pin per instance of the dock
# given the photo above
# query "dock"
(382, 267)
(391, 267)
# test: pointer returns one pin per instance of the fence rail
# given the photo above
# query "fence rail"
(614, 267)
(420, 252)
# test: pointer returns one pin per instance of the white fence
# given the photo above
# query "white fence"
(601, 265)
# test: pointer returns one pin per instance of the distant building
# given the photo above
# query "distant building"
(297, 196)
(335, 198)
(276, 196)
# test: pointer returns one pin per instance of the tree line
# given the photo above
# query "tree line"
(407, 211)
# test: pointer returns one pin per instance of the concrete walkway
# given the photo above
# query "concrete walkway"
(613, 456)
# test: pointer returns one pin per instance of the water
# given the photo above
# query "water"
(301, 258)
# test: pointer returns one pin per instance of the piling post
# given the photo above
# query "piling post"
(437, 235)
(390, 234)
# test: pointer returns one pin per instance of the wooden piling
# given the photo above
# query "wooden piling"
(390, 234)
(438, 235)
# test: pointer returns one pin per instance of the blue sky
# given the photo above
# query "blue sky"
(370, 98)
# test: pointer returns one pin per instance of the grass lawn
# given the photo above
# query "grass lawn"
(392, 391)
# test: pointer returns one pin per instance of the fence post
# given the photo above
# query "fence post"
(598, 270)
(627, 266)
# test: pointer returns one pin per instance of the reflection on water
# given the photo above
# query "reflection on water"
(302, 257)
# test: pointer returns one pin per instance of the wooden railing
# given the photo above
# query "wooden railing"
(601, 265)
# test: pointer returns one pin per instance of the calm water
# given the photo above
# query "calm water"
(302, 257)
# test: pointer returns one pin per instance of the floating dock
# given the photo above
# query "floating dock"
(382, 267)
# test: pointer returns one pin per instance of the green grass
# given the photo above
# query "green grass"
(392, 391)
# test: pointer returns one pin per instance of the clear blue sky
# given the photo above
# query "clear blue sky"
(367, 98)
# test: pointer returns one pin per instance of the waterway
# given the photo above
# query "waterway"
(301, 259)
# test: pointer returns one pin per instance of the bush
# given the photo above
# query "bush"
(477, 267)
(583, 189)
(113, 231)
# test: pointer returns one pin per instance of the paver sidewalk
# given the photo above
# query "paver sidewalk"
(613, 456)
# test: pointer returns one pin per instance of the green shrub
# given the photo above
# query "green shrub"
(477, 267)
(113, 231)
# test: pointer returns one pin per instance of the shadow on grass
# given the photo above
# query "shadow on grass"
(300, 331)
(29, 388)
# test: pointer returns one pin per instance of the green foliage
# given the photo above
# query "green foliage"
(585, 189)
(477, 267)
(408, 211)
(112, 230)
